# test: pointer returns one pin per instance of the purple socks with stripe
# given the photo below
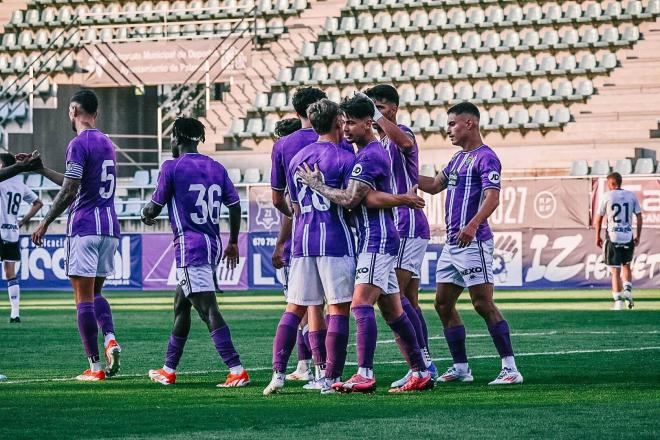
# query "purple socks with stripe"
(225, 347)
(285, 338)
(414, 320)
(336, 342)
(455, 337)
(317, 343)
(88, 330)
(302, 340)
(425, 330)
(103, 314)
(501, 338)
(174, 351)
(408, 340)
(366, 334)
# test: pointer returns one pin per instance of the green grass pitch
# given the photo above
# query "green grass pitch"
(589, 373)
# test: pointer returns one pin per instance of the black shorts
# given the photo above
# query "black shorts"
(10, 251)
(618, 254)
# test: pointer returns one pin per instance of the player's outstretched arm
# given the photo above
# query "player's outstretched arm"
(62, 201)
(392, 131)
(150, 212)
(488, 206)
(231, 255)
(432, 185)
(378, 199)
(348, 198)
(36, 206)
(24, 162)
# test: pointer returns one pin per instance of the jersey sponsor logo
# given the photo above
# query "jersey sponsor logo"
(9, 226)
(357, 170)
(453, 179)
(494, 177)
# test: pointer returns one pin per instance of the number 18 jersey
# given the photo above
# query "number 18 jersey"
(321, 229)
(12, 192)
(619, 206)
(193, 187)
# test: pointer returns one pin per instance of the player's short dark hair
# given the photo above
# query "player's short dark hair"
(7, 159)
(306, 96)
(188, 130)
(87, 100)
(383, 92)
(463, 108)
(285, 127)
(322, 115)
(357, 107)
(616, 177)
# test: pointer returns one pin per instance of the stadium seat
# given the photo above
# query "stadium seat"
(33, 180)
(600, 167)
(234, 175)
(623, 166)
(265, 176)
(141, 178)
(153, 176)
(427, 170)
(252, 175)
(644, 165)
(579, 168)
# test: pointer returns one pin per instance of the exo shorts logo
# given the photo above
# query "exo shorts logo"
(494, 177)
(361, 270)
(183, 282)
(472, 271)
(357, 170)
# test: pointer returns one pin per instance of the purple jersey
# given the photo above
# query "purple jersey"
(90, 158)
(376, 229)
(469, 174)
(193, 186)
(322, 228)
(411, 223)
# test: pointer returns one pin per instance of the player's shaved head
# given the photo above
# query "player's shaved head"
(464, 108)
(87, 100)
(305, 97)
(615, 179)
(323, 115)
(287, 126)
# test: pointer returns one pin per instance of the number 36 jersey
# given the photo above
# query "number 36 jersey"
(619, 206)
(13, 192)
(322, 228)
(193, 187)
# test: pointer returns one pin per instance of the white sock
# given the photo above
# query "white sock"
(303, 365)
(237, 369)
(509, 362)
(107, 338)
(616, 296)
(422, 374)
(366, 372)
(14, 291)
(427, 358)
(464, 368)
(169, 370)
(279, 376)
(95, 366)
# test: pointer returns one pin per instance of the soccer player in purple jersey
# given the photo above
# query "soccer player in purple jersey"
(472, 181)
(88, 190)
(194, 186)
(412, 225)
(378, 244)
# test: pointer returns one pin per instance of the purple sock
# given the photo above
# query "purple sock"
(88, 330)
(366, 334)
(317, 341)
(455, 337)
(425, 330)
(308, 346)
(414, 320)
(303, 352)
(103, 314)
(500, 334)
(174, 351)
(225, 347)
(336, 342)
(402, 327)
(285, 338)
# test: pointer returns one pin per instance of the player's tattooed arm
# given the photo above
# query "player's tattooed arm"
(62, 201)
(433, 185)
(149, 213)
(488, 206)
(231, 255)
(378, 199)
(24, 162)
(348, 198)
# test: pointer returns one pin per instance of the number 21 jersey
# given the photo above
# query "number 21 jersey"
(619, 205)
(193, 187)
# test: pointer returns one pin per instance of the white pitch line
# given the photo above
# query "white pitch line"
(348, 364)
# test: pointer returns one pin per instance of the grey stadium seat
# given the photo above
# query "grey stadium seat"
(579, 168)
(644, 165)
(600, 167)
(623, 166)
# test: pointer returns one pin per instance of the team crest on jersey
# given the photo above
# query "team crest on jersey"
(494, 177)
(357, 170)
(469, 160)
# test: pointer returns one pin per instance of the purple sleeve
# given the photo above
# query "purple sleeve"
(277, 172)
(76, 155)
(490, 170)
(229, 195)
(365, 170)
(411, 135)
(164, 187)
(291, 184)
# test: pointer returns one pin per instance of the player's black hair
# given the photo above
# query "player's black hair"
(7, 159)
(188, 130)
(616, 177)
(383, 92)
(305, 97)
(322, 115)
(87, 100)
(464, 108)
(357, 107)
(285, 127)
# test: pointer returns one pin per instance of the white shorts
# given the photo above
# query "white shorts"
(466, 266)
(379, 270)
(196, 279)
(90, 256)
(411, 254)
(313, 279)
(282, 276)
